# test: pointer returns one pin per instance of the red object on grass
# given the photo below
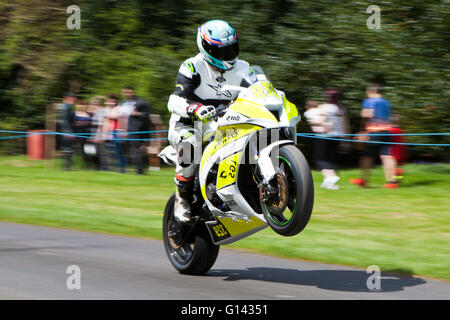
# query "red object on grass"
(390, 185)
(398, 151)
(36, 145)
(359, 182)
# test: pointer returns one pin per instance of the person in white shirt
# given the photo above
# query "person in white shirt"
(330, 120)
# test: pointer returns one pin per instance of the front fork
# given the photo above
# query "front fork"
(268, 160)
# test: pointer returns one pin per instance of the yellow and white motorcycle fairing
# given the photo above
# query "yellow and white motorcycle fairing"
(259, 107)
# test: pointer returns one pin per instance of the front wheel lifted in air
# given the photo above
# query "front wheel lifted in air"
(288, 208)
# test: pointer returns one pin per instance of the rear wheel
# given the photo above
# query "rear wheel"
(289, 211)
(197, 254)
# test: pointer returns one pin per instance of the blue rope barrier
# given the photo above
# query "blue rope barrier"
(84, 135)
(385, 134)
(24, 134)
(379, 142)
(78, 133)
(13, 137)
(77, 136)
(150, 139)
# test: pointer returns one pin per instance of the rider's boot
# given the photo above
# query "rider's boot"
(183, 200)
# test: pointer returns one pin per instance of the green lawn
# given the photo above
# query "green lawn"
(406, 230)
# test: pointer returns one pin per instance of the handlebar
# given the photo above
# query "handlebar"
(221, 110)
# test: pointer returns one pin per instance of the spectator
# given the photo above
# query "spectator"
(137, 112)
(313, 116)
(112, 130)
(375, 120)
(99, 112)
(65, 120)
(316, 120)
(329, 119)
(126, 106)
(82, 126)
(335, 126)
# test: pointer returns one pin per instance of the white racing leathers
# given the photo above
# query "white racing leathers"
(196, 83)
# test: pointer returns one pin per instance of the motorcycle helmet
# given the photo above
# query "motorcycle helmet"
(218, 43)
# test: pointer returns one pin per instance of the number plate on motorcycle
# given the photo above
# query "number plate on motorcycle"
(218, 231)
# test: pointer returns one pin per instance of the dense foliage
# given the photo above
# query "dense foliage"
(304, 46)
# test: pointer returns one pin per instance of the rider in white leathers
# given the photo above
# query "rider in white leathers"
(197, 94)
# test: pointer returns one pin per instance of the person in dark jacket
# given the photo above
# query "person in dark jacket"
(138, 111)
(65, 119)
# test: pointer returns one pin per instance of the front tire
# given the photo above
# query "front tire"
(197, 255)
(296, 174)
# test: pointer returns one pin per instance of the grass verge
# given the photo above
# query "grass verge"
(406, 229)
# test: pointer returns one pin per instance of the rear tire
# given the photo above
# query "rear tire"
(301, 193)
(195, 257)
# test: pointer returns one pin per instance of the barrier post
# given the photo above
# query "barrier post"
(36, 145)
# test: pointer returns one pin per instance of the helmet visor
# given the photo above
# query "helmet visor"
(226, 53)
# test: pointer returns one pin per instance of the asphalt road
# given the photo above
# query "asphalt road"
(34, 261)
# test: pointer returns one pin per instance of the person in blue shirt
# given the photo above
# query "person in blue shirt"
(376, 110)
(376, 119)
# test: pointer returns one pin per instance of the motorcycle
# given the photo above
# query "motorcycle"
(251, 175)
